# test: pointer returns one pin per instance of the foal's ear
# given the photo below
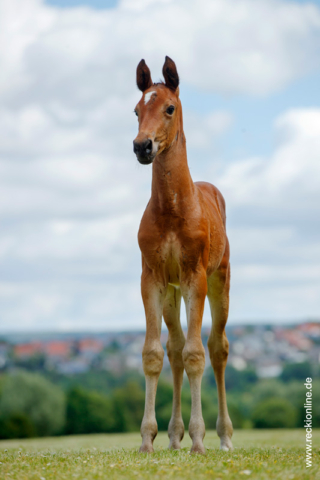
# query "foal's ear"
(143, 76)
(170, 74)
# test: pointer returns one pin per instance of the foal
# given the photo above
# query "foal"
(185, 252)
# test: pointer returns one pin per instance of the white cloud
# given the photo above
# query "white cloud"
(71, 303)
(88, 267)
(290, 179)
(79, 56)
(278, 260)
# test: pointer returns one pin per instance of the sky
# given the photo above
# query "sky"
(72, 192)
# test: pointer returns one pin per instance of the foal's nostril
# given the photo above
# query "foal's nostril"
(136, 147)
(148, 146)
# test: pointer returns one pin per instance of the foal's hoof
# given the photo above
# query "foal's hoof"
(198, 448)
(174, 445)
(226, 445)
(146, 449)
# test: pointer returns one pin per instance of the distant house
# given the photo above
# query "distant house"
(27, 350)
(89, 346)
(269, 369)
(73, 367)
(57, 349)
(53, 350)
(297, 339)
(311, 329)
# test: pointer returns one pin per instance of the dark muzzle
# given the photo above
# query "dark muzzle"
(143, 150)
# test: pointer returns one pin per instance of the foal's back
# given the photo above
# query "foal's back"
(214, 198)
(214, 208)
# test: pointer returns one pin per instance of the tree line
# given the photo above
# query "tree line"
(32, 404)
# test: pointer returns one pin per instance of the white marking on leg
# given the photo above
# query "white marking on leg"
(148, 96)
(152, 359)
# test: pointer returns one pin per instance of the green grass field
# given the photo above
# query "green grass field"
(258, 454)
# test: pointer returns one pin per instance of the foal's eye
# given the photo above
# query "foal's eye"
(170, 110)
(135, 111)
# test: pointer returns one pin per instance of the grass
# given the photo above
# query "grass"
(258, 454)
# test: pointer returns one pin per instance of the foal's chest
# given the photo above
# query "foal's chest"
(167, 248)
(168, 255)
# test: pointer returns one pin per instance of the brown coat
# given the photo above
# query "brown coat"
(185, 252)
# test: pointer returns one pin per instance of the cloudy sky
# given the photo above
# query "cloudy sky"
(72, 193)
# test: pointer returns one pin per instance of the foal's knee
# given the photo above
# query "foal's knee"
(152, 359)
(193, 356)
(174, 351)
(218, 350)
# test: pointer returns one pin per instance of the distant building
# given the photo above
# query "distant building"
(27, 350)
(57, 349)
(265, 348)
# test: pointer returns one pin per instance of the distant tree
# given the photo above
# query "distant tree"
(296, 394)
(35, 363)
(164, 394)
(101, 381)
(163, 415)
(88, 412)
(128, 407)
(113, 347)
(238, 380)
(267, 388)
(274, 413)
(35, 397)
(236, 414)
(209, 411)
(17, 425)
(296, 371)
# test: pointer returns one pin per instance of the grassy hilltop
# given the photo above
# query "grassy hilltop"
(258, 454)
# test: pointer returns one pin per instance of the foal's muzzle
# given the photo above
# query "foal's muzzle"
(143, 150)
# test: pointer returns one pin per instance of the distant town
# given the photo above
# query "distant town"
(265, 348)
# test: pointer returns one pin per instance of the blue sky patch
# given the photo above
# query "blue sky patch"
(97, 4)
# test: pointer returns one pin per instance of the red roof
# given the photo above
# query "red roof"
(57, 349)
(297, 339)
(27, 349)
(90, 345)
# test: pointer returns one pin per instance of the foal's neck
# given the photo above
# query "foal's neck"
(172, 184)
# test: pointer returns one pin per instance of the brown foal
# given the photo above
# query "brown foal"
(185, 252)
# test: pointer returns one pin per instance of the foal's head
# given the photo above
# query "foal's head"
(158, 112)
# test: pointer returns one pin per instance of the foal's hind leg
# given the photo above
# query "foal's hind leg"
(175, 344)
(218, 295)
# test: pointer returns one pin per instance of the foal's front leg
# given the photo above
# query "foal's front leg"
(153, 295)
(194, 292)
(175, 344)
